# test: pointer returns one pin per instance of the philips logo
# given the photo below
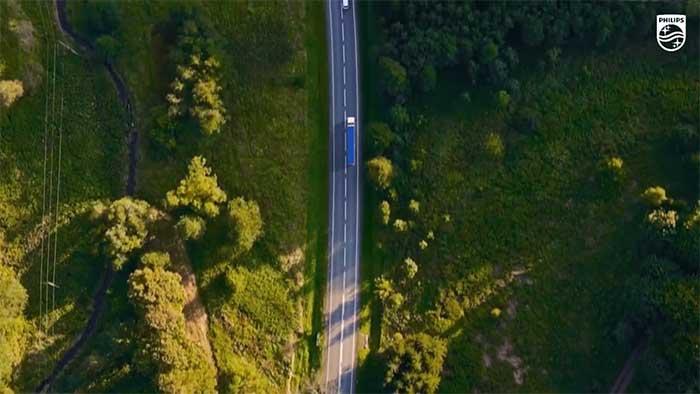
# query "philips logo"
(670, 32)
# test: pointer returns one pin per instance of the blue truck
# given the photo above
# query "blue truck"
(350, 140)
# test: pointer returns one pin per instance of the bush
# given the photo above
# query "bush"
(493, 145)
(10, 91)
(381, 171)
(400, 119)
(191, 227)
(385, 211)
(199, 190)
(155, 260)
(428, 79)
(381, 137)
(126, 221)
(246, 222)
(414, 363)
(395, 79)
(655, 196)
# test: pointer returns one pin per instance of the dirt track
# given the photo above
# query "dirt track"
(133, 141)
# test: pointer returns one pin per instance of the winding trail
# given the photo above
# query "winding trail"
(98, 302)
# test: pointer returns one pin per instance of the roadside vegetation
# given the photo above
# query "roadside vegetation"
(217, 261)
(216, 255)
(61, 144)
(541, 197)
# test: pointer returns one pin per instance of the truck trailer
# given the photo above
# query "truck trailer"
(350, 140)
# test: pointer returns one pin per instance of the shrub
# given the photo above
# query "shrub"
(126, 221)
(414, 206)
(10, 91)
(662, 223)
(654, 196)
(503, 99)
(381, 137)
(493, 145)
(400, 225)
(400, 119)
(199, 190)
(414, 363)
(246, 222)
(428, 79)
(191, 227)
(380, 171)
(155, 260)
(395, 79)
(410, 267)
(385, 211)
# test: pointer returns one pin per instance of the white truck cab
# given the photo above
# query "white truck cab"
(346, 4)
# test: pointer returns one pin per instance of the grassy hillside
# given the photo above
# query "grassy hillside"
(520, 227)
(61, 146)
(272, 150)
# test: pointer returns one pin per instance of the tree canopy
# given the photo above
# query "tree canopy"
(414, 363)
(199, 190)
(246, 222)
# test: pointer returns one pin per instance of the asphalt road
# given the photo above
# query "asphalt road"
(342, 302)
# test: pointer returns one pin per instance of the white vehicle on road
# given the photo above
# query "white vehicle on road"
(346, 4)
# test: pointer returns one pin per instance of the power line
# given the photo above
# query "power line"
(52, 134)
(58, 190)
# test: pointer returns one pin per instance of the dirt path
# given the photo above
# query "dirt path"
(133, 142)
(627, 373)
(196, 319)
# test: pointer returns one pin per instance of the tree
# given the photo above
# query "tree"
(414, 206)
(164, 350)
(154, 287)
(428, 79)
(655, 196)
(410, 267)
(385, 211)
(380, 171)
(400, 225)
(394, 78)
(493, 145)
(208, 107)
(662, 223)
(126, 221)
(414, 363)
(13, 327)
(10, 91)
(191, 227)
(199, 190)
(400, 119)
(381, 136)
(196, 88)
(503, 99)
(155, 260)
(246, 221)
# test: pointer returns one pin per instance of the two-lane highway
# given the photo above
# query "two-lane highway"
(342, 300)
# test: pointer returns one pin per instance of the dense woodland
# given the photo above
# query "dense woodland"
(502, 174)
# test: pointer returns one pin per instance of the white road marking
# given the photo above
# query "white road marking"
(342, 31)
(357, 206)
(330, 260)
(344, 75)
(343, 53)
(345, 96)
(342, 328)
(346, 188)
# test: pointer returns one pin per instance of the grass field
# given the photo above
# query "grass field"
(538, 212)
(61, 146)
(272, 150)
